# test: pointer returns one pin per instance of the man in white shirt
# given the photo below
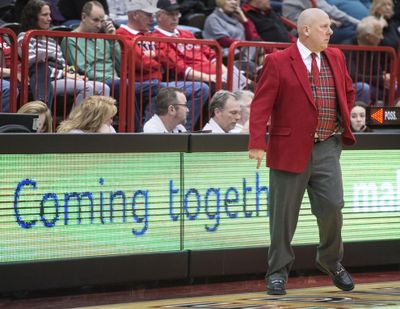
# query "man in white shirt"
(170, 112)
(225, 112)
(245, 97)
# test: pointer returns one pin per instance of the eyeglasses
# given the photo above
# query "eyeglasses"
(180, 104)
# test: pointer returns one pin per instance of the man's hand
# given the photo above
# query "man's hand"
(386, 80)
(256, 154)
(108, 26)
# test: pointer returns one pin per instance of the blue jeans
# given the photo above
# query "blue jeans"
(5, 95)
(363, 92)
(40, 83)
(146, 91)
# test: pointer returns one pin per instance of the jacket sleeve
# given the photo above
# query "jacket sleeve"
(263, 102)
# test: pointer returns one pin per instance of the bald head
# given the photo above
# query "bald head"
(314, 28)
(309, 16)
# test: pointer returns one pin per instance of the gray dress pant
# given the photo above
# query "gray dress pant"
(323, 180)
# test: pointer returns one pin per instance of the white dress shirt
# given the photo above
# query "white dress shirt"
(155, 125)
(213, 126)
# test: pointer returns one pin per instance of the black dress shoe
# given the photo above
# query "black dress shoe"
(341, 278)
(276, 287)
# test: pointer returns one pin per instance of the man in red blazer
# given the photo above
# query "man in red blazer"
(307, 94)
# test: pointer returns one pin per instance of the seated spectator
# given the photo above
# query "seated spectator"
(357, 117)
(188, 61)
(97, 59)
(45, 120)
(227, 24)
(384, 9)
(45, 51)
(170, 112)
(4, 95)
(245, 98)
(94, 115)
(5, 73)
(355, 8)
(343, 25)
(224, 111)
(366, 65)
(267, 23)
(148, 67)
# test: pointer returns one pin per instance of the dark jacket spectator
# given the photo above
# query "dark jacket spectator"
(268, 24)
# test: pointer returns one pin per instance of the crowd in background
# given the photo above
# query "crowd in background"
(356, 22)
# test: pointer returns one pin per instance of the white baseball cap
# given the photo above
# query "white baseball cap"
(148, 6)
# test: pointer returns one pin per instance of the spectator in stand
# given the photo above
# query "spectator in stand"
(148, 67)
(224, 111)
(369, 33)
(188, 61)
(4, 94)
(355, 8)
(358, 116)
(384, 9)
(267, 23)
(343, 25)
(94, 115)
(227, 24)
(5, 73)
(245, 97)
(45, 120)
(44, 51)
(170, 112)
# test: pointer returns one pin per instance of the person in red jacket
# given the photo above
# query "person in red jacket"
(189, 61)
(148, 69)
(307, 94)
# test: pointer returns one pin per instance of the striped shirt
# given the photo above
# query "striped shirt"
(42, 49)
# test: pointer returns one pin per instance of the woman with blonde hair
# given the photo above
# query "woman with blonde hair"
(383, 10)
(94, 115)
(45, 121)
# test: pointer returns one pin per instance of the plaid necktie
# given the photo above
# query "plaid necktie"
(314, 69)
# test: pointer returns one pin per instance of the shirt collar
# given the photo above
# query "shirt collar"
(305, 52)
(130, 30)
(167, 33)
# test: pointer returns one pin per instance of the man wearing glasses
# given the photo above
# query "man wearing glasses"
(170, 112)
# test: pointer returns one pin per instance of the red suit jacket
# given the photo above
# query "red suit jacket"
(284, 94)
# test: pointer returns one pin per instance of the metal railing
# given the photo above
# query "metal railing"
(8, 68)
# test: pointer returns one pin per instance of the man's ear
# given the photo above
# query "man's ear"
(171, 108)
(306, 30)
(217, 111)
(83, 16)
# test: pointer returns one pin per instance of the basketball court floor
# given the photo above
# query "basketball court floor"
(379, 289)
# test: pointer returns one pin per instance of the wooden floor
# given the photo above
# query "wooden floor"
(374, 289)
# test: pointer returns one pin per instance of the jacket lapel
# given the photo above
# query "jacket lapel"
(301, 72)
(336, 72)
